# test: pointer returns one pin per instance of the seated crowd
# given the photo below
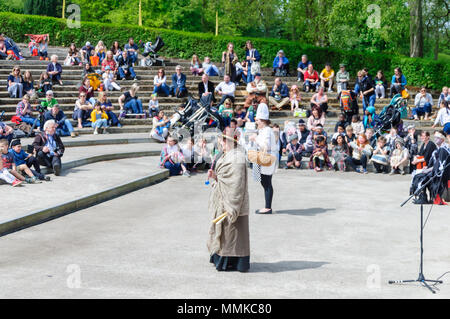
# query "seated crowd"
(353, 142)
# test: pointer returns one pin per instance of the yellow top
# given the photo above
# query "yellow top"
(94, 115)
(327, 74)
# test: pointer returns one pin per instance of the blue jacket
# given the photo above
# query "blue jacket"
(284, 91)
(277, 58)
(402, 79)
(175, 79)
(50, 68)
(257, 56)
(59, 118)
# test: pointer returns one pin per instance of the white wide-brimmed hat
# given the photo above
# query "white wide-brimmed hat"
(263, 112)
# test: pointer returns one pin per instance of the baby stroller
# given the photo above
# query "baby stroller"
(197, 117)
(150, 50)
(391, 114)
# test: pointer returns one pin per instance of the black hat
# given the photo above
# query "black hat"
(300, 121)
(15, 142)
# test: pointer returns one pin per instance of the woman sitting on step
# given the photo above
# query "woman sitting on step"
(15, 83)
(82, 110)
(129, 102)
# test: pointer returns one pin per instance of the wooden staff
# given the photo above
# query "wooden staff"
(220, 218)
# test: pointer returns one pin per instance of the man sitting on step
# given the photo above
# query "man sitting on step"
(256, 90)
(279, 96)
(49, 148)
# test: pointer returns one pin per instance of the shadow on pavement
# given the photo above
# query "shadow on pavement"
(304, 212)
(288, 265)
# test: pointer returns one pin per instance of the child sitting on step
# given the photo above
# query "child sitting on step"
(99, 118)
(294, 152)
(153, 106)
(45, 84)
(380, 156)
(5, 162)
(357, 124)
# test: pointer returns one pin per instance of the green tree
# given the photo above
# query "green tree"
(42, 7)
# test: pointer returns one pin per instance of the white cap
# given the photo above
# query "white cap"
(263, 112)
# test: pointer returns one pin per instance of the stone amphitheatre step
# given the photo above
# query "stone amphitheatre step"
(67, 94)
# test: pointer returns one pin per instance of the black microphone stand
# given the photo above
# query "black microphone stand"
(421, 277)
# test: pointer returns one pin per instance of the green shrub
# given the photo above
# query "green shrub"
(433, 74)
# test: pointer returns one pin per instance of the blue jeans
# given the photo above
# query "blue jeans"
(130, 73)
(311, 86)
(212, 71)
(357, 88)
(92, 101)
(31, 121)
(14, 48)
(101, 56)
(174, 168)
(420, 111)
(65, 129)
(112, 118)
(100, 123)
(164, 88)
(182, 90)
(371, 99)
(250, 76)
(447, 128)
(133, 56)
(135, 106)
(83, 115)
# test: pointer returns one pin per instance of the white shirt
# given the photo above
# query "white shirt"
(443, 117)
(158, 80)
(266, 136)
(421, 100)
(227, 89)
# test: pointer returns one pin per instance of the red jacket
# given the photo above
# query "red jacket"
(311, 77)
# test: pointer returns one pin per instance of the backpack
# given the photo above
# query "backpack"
(346, 101)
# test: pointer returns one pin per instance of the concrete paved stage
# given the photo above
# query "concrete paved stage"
(79, 181)
(335, 235)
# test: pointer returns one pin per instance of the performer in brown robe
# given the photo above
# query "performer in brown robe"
(229, 243)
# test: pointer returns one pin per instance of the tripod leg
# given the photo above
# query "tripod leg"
(424, 282)
(400, 281)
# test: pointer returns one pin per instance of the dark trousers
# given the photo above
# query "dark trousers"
(291, 156)
(350, 161)
(266, 182)
(112, 118)
(55, 77)
(381, 168)
(318, 162)
(224, 97)
(33, 162)
(48, 160)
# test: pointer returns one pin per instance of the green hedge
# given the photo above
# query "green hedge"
(184, 44)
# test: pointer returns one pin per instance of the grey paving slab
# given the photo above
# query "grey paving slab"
(334, 235)
(72, 184)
